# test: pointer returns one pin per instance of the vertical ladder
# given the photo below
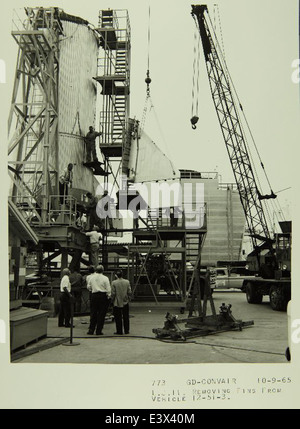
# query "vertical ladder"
(32, 150)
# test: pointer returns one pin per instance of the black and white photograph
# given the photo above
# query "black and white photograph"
(149, 198)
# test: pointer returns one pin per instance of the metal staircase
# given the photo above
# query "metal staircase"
(192, 247)
(114, 74)
(118, 125)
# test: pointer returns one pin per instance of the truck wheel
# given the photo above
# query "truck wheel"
(253, 297)
(277, 299)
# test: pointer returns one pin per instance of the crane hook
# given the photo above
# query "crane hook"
(194, 121)
(148, 81)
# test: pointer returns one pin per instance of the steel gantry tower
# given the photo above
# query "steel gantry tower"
(41, 140)
(32, 123)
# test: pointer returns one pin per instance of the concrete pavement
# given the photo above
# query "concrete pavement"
(264, 342)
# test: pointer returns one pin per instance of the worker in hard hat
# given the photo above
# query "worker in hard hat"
(90, 140)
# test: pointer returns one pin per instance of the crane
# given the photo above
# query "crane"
(234, 137)
(247, 184)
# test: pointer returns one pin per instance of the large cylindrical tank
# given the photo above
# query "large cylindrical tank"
(78, 51)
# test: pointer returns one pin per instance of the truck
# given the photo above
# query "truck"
(274, 275)
(229, 278)
(269, 280)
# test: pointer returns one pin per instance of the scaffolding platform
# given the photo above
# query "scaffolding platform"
(111, 150)
(110, 84)
(95, 166)
(166, 233)
(66, 236)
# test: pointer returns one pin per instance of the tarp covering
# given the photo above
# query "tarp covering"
(148, 163)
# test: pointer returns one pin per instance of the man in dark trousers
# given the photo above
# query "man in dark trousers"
(64, 316)
(76, 289)
(90, 140)
(120, 296)
(99, 286)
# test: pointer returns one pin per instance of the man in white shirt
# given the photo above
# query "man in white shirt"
(99, 286)
(64, 315)
(91, 272)
(95, 238)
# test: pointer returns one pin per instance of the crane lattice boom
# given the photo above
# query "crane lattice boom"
(232, 132)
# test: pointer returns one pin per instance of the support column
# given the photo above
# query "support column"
(75, 263)
(64, 258)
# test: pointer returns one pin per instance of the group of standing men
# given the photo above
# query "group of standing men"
(102, 294)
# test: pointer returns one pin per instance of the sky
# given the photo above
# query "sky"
(260, 42)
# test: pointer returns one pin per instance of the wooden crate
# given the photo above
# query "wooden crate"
(27, 325)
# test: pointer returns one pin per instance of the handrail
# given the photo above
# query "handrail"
(65, 214)
(185, 219)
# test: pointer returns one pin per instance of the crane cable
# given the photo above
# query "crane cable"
(241, 107)
(195, 78)
(148, 100)
(217, 12)
(148, 79)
